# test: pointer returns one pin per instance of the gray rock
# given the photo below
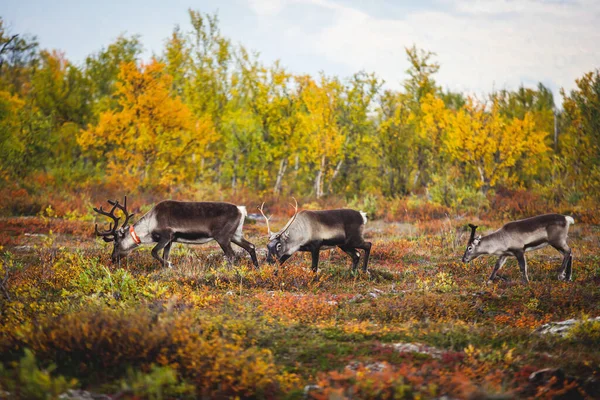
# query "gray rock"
(310, 388)
(373, 367)
(358, 297)
(417, 348)
(73, 394)
(561, 328)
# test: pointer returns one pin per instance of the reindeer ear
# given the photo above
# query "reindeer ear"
(473, 228)
(107, 239)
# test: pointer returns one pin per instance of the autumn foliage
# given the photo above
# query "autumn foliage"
(206, 116)
(151, 138)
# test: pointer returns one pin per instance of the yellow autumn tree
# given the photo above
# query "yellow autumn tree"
(500, 150)
(152, 138)
(323, 137)
(433, 122)
(432, 127)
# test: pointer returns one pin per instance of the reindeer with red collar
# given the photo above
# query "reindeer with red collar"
(177, 221)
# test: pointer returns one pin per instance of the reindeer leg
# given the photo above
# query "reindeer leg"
(366, 246)
(522, 265)
(315, 258)
(249, 247)
(164, 242)
(498, 265)
(565, 268)
(569, 268)
(354, 255)
(166, 253)
(226, 247)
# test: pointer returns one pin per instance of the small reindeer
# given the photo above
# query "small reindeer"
(518, 237)
(177, 221)
(313, 231)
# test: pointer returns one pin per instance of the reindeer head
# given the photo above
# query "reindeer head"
(471, 253)
(279, 245)
(123, 241)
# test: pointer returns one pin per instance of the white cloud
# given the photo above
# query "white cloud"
(267, 7)
(481, 45)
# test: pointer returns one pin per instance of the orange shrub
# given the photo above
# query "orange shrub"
(300, 308)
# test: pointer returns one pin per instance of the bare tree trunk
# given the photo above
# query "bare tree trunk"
(234, 177)
(217, 176)
(555, 131)
(282, 167)
(336, 172)
(416, 179)
(319, 179)
(484, 182)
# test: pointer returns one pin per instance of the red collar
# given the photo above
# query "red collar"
(134, 235)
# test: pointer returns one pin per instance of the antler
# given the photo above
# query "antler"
(293, 218)
(104, 233)
(473, 228)
(122, 208)
(111, 214)
(263, 214)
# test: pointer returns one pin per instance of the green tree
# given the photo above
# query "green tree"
(359, 160)
(579, 144)
(25, 136)
(102, 70)
(419, 86)
(395, 139)
(18, 59)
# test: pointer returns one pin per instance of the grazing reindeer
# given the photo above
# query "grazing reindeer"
(177, 221)
(518, 237)
(313, 231)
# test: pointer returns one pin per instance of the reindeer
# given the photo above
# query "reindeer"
(177, 221)
(518, 237)
(313, 231)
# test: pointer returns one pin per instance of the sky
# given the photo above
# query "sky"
(481, 45)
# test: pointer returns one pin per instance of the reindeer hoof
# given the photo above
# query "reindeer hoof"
(489, 282)
(565, 278)
(169, 265)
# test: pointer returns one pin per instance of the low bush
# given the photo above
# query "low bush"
(212, 354)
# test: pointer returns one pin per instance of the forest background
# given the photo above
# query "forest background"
(207, 120)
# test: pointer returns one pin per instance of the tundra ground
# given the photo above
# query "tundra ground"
(420, 324)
